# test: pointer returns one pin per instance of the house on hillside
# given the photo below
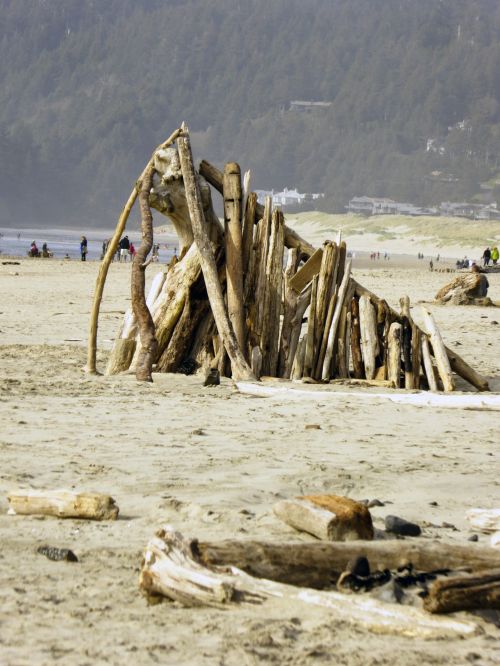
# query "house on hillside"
(287, 197)
(370, 206)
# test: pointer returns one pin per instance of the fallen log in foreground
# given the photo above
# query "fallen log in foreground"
(457, 593)
(174, 567)
(63, 504)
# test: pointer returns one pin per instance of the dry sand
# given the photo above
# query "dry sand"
(142, 444)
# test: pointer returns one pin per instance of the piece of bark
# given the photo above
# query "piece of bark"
(303, 302)
(290, 298)
(325, 280)
(427, 362)
(356, 353)
(326, 321)
(307, 272)
(239, 367)
(247, 234)
(328, 517)
(292, 238)
(416, 346)
(172, 567)
(148, 343)
(369, 339)
(442, 361)
(394, 355)
(63, 504)
(458, 593)
(233, 241)
(298, 363)
(256, 361)
(406, 345)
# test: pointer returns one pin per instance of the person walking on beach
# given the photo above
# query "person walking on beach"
(486, 256)
(132, 250)
(34, 251)
(494, 255)
(83, 248)
(124, 248)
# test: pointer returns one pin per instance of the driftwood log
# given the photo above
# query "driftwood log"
(177, 569)
(463, 290)
(466, 592)
(63, 504)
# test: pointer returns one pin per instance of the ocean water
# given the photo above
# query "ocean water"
(62, 242)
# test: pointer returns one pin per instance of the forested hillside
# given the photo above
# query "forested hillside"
(89, 87)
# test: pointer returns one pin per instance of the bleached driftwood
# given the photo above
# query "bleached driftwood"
(394, 354)
(332, 333)
(439, 350)
(484, 520)
(172, 568)
(327, 517)
(369, 338)
(63, 504)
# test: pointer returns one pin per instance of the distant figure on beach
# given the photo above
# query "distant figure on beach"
(132, 250)
(33, 251)
(486, 256)
(66, 256)
(431, 265)
(482, 289)
(18, 236)
(156, 250)
(124, 248)
(46, 252)
(438, 257)
(105, 244)
(494, 255)
(83, 248)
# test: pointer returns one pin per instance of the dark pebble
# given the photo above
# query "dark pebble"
(433, 504)
(473, 537)
(494, 322)
(57, 554)
(400, 526)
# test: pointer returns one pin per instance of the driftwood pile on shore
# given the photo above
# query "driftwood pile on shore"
(253, 299)
(466, 289)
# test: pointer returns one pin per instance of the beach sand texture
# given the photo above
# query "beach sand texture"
(211, 462)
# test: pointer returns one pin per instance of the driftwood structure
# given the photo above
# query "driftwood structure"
(252, 298)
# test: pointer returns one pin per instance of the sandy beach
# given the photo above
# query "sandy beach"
(212, 462)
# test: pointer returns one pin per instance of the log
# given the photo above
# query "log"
(263, 235)
(484, 520)
(292, 238)
(442, 361)
(406, 344)
(462, 289)
(290, 298)
(181, 340)
(332, 333)
(325, 280)
(256, 361)
(272, 300)
(427, 361)
(149, 345)
(172, 567)
(318, 564)
(327, 517)
(459, 593)
(309, 352)
(303, 302)
(416, 342)
(239, 367)
(394, 355)
(298, 363)
(357, 357)
(62, 504)
(369, 339)
(121, 356)
(108, 258)
(307, 272)
(233, 240)
(326, 320)
(341, 367)
(247, 236)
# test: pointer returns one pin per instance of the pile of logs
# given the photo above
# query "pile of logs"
(253, 299)
(466, 289)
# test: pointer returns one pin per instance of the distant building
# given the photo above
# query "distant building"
(307, 105)
(287, 197)
(470, 210)
(382, 206)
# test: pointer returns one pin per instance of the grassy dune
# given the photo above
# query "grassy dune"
(438, 231)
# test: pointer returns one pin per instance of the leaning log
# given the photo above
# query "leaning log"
(439, 350)
(62, 504)
(459, 593)
(289, 307)
(394, 355)
(239, 366)
(292, 238)
(172, 568)
(369, 339)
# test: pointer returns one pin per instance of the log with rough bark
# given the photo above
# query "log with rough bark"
(332, 333)
(427, 362)
(62, 504)
(292, 238)
(369, 338)
(233, 240)
(303, 302)
(149, 344)
(239, 367)
(394, 355)
(298, 364)
(330, 310)
(308, 271)
(272, 297)
(356, 354)
(311, 320)
(464, 592)
(328, 517)
(172, 567)
(325, 287)
(180, 343)
(442, 361)
(463, 290)
(290, 299)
